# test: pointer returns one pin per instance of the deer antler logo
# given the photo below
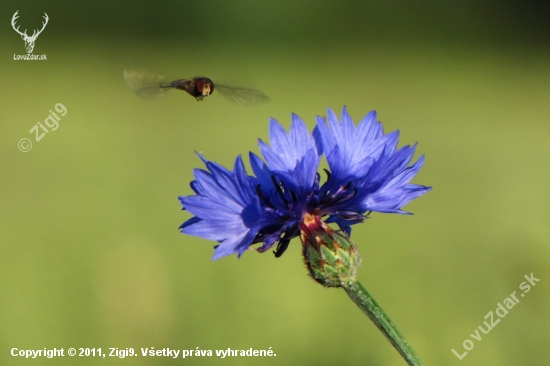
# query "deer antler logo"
(29, 41)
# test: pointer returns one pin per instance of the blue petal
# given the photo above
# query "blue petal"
(236, 244)
(293, 157)
(226, 208)
(365, 159)
(350, 150)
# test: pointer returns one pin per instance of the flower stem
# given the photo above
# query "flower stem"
(366, 302)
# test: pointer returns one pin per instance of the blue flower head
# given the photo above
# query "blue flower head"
(367, 173)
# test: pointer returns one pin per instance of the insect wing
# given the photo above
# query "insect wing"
(146, 84)
(242, 96)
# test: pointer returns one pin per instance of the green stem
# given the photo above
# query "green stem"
(366, 302)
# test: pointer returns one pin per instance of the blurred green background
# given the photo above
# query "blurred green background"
(91, 254)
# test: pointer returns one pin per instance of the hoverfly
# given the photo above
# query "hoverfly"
(150, 85)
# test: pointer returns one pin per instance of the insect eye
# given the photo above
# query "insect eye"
(204, 87)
